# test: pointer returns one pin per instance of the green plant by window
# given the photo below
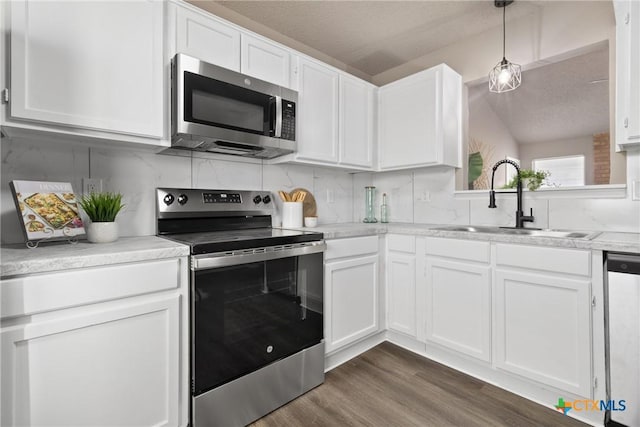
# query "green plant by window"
(532, 179)
(102, 207)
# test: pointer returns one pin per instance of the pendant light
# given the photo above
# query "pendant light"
(505, 76)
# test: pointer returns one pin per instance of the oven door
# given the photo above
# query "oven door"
(251, 310)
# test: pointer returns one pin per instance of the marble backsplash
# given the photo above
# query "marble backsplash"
(414, 196)
(136, 174)
(428, 196)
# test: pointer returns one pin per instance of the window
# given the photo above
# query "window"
(563, 171)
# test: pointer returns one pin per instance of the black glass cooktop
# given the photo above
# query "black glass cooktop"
(229, 240)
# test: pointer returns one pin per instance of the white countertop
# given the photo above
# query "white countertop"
(605, 241)
(19, 260)
(55, 256)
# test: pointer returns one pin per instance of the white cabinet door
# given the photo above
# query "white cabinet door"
(459, 306)
(114, 364)
(265, 61)
(204, 37)
(351, 301)
(92, 65)
(420, 120)
(634, 73)
(401, 293)
(317, 112)
(542, 329)
(356, 122)
(627, 70)
(408, 116)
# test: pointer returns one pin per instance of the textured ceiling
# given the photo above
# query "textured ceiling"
(557, 101)
(375, 36)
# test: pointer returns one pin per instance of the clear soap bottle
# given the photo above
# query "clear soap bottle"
(384, 209)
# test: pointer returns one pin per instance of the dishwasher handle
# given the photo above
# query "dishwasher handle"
(623, 263)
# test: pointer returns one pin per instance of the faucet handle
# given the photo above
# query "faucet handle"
(531, 212)
(492, 199)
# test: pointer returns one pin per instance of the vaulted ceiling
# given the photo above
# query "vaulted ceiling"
(374, 36)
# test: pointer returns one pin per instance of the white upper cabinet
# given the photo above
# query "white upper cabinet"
(210, 39)
(356, 122)
(335, 117)
(88, 65)
(265, 61)
(420, 120)
(317, 134)
(627, 71)
(204, 37)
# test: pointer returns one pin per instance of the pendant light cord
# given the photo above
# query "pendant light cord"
(504, 31)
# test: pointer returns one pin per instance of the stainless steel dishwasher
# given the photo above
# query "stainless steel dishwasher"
(622, 318)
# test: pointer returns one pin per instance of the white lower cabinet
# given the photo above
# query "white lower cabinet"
(107, 362)
(458, 296)
(401, 284)
(112, 366)
(515, 312)
(351, 291)
(543, 318)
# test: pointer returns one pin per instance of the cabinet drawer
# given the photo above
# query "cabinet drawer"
(342, 248)
(569, 261)
(401, 243)
(462, 249)
(45, 292)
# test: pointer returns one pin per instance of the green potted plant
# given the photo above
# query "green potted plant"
(102, 208)
(530, 179)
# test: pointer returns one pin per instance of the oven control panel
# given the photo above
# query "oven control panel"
(185, 201)
(222, 197)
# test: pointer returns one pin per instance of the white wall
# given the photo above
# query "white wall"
(136, 174)
(561, 148)
(486, 126)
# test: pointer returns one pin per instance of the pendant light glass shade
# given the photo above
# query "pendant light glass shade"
(505, 76)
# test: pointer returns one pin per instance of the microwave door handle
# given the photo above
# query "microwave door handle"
(278, 132)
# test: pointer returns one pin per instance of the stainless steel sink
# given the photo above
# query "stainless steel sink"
(566, 234)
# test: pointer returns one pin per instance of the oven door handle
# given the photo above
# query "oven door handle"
(207, 261)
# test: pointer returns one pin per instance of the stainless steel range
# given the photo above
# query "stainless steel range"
(256, 303)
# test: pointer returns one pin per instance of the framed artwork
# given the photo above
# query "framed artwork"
(47, 210)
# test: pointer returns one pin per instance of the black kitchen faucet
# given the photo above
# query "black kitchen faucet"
(521, 218)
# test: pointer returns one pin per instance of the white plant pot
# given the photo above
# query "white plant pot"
(102, 232)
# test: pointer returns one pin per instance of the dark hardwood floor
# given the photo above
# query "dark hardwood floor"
(390, 386)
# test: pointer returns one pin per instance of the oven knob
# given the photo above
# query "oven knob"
(182, 199)
(168, 199)
(257, 199)
(266, 199)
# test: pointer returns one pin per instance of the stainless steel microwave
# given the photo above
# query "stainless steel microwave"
(222, 111)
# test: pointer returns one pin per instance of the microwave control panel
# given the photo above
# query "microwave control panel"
(288, 120)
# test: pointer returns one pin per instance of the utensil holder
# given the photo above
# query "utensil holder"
(292, 214)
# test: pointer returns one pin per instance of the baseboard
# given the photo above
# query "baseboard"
(337, 358)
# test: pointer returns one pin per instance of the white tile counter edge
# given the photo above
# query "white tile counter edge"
(605, 241)
(17, 260)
